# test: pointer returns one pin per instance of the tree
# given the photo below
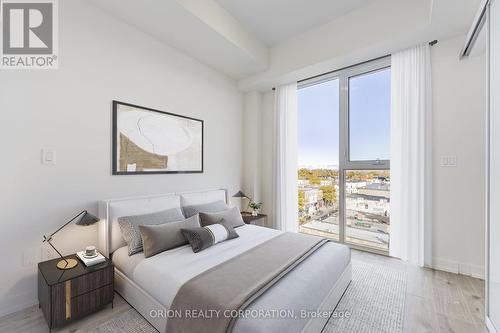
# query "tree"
(314, 180)
(304, 173)
(329, 194)
(301, 201)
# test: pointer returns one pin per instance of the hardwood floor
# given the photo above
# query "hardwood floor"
(436, 301)
(31, 320)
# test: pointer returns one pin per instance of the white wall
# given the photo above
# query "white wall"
(252, 145)
(458, 130)
(258, 150)
(267, 151)
(69, 110)
(459, 89)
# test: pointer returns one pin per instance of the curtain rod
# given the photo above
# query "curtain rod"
(431, 43)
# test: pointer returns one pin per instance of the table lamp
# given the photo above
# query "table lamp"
(85, 218)
(242, 195)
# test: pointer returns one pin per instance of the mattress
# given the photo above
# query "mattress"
(303, 289)
(125, 263)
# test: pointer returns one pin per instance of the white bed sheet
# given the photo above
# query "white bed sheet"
(162, 275)
(125, 263)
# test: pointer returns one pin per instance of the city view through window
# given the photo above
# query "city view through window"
(366, 201)
(365, 189)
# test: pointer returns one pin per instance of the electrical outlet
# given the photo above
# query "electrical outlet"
(448, 161)
(48, 253)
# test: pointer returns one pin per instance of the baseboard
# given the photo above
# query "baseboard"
(458, 268)
(477, 271)
(445, 265)
(18, 302)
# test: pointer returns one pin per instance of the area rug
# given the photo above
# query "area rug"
(129, 321)
(374, 301)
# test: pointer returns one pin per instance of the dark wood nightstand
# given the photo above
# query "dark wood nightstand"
(259, 220)
(66, 295)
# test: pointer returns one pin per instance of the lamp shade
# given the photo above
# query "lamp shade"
(239, 194)
(87, 219)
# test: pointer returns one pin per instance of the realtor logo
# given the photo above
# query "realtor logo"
(29, 34)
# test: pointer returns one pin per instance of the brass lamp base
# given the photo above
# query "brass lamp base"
(71, 263)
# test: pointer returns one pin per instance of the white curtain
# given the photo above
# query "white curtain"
(285, 158)
(410, 237)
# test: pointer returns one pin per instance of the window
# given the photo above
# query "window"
(318, 152)
(367, 208)
(344, 156)
(370, 116)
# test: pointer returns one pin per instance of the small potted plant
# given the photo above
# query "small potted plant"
(255, 206)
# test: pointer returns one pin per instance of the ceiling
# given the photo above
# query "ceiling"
(274, 21)
(200, 28)
(255, 41)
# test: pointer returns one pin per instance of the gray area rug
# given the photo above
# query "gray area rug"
(130, 321)
(375, 301)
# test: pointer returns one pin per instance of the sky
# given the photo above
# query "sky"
(369, 125)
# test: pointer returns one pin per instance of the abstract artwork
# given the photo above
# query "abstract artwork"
(147, 141)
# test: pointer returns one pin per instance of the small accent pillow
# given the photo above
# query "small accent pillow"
(211, 207)
(204, 237)
(130, 231)
(231, 216)
(163, 237)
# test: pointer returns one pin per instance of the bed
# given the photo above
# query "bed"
(300, 298)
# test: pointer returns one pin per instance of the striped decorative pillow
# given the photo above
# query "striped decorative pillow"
(204, 237)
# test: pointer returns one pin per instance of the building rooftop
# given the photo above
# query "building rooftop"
(378, 186)
(368, 197)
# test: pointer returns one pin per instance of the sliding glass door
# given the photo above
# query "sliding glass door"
(344, 156)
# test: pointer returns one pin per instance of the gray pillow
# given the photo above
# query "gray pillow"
(163, 237)
(204, 237)
(211, 207)
(130, 231)
(231, 216)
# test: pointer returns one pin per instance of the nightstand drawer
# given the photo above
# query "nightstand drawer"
(92, 301)
(91, 281)
(67, 309)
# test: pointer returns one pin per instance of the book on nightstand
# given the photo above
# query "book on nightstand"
(90, 261)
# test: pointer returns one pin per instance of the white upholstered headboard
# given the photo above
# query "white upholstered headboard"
(110, 237)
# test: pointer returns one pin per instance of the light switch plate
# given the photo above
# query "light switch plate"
(48, 156)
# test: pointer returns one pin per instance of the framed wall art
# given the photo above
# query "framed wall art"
(148, 141)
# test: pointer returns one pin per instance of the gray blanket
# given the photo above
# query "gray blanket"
(213, 300)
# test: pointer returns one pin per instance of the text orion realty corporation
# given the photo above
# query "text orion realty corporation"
(29, 34)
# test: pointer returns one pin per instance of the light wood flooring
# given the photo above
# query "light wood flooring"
(435, 302)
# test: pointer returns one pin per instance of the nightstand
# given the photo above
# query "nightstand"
(66, 295)
(259, 220)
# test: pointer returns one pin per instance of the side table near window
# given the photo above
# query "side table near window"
(259, 220)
